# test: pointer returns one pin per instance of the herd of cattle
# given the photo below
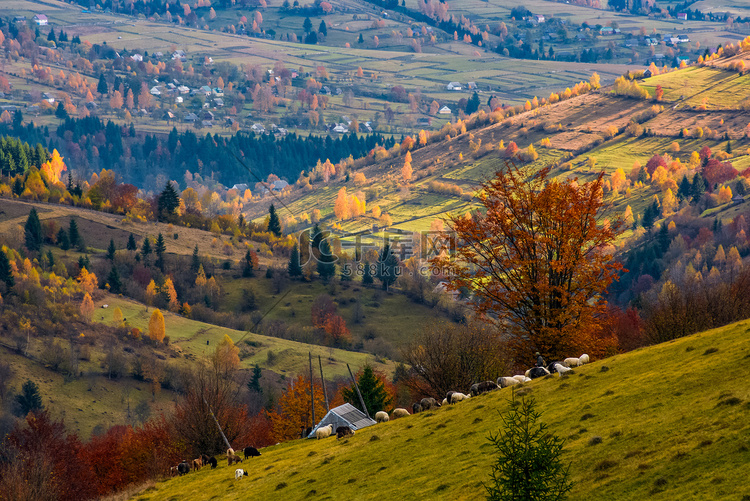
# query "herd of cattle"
(452, 397)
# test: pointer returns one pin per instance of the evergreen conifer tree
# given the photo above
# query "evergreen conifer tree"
(373, 392)
(326, 261)
(307, 25)
(113, 279)
(274, 225)
(131, 243)
(146, 248)
(169, 201)
(295, 268)
(29, 400)
(50, 259)
(102, 87)
(111, 250)
(528, 465)
(387, 266)
(323, 29)
(73, 236)
(159, 249)
(195, 263)
(33, 232)
(367, 275)
(62, 239)
(6, 272)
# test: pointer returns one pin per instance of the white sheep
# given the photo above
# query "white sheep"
(445, 401)
(562, 369)
(324, 432)
(583, 359)
(504, 382)
(458, 397)
(239, 473)
(571, 362)
(535, 372)
(400, 412)
(521, 378)
(381, 417)
(230, 452)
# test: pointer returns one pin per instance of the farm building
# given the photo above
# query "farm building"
(445, 110)
(344, 415)
(454, 86)
(41, 20)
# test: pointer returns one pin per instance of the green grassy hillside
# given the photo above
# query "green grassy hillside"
(665, 422)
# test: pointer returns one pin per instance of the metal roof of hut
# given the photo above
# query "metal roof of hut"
(344, 415)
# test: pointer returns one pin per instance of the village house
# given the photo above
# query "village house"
(454, 86)
(40, 20)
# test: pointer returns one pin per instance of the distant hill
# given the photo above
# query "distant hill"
(665, 422)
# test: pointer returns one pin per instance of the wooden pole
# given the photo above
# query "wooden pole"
(312, 393)
(217, 424)
(324, 383)
(356, 386)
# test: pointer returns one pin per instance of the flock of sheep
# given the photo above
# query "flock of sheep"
(452, 397)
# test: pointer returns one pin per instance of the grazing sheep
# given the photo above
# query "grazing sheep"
(483, 387)
(234, 459)
(251, 452)
(381, 417)
(205, 459)
(448, 396)
(239, 473)
(324, 432)
(416, 407)
(445, 400)
(183, 468)
(458, 397)
(536, 372)
(561, 368)
(197, 463)
(504, 382)
(399, 413)
(344, 432)
(569, 362)
(230, 452)
(583, 359)
(551, 366)
(172, 471)
(212, 462)
(429, 403)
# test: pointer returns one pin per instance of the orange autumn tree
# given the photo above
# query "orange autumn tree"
(156, 327)
(293, 414)
(536, 259)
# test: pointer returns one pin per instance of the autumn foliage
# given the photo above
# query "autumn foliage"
(536, 258)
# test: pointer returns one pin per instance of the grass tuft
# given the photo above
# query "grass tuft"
(595, 440)
(280, 486)
(586, 416)
(729, 401)
(605, 464)
(441, 487)
(374, 438)
(604, 368)
(710, 350)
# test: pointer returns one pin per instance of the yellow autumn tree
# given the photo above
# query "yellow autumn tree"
(341, 206)
(87, 281)
(117, 317)
(87, 308)
(171, 295)
(156, 328)
(669, 203)
(627, 217)
(227, 355)
(150, 292)
(406, 172)
(200, 280)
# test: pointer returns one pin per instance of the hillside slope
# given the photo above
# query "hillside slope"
(672, 420)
